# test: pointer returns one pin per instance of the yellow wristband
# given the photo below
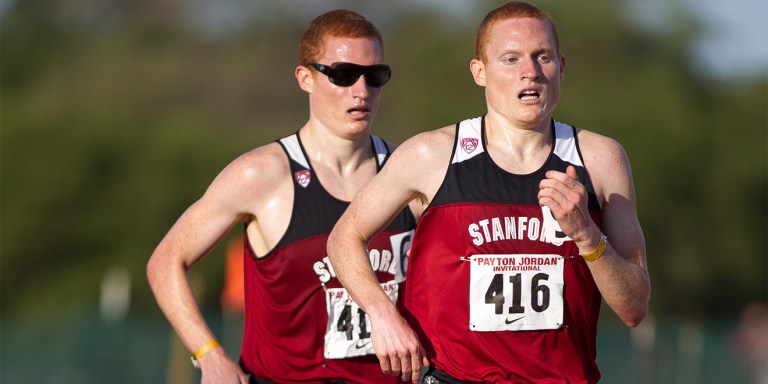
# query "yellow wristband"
(205, 348)
(598, 252)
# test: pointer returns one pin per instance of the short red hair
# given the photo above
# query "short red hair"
(338, 23)
(511, 10)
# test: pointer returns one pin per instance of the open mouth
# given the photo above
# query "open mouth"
(528, 95)
(358, 111)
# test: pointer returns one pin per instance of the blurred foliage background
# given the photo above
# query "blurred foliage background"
(115, 116)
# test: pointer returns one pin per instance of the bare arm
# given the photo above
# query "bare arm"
(193, 235)
(395, 343)
(185, 244)
(416, 205)
(393, 340)
(621, 274)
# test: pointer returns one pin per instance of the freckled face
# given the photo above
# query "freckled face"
(521, 72)
(346, 110)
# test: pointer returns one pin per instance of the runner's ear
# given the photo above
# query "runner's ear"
(478, 71)
(305, 78)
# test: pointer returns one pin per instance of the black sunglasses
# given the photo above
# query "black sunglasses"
(346, 74)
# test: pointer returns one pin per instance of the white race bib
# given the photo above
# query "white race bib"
(515, 292)
(401, 244)
(349, 328)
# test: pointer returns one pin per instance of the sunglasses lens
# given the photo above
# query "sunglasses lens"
(378, 75)
(346, 74)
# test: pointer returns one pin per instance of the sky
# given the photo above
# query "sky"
(738, 40)
(734, 43)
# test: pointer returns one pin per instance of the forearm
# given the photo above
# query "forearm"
(624, 285)
(349, 256)
(172, 289)
(397, 346)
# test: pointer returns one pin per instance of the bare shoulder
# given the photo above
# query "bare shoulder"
(262, 161)
(435, 145)
(596, 145)
(419, 164)
(601, 152)
(607, 163)
(423, 154)
(255, 173)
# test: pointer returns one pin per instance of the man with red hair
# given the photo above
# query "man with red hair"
(300, 324)
(528, 225)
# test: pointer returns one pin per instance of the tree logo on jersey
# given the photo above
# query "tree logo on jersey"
(303, 177)
(469, 144)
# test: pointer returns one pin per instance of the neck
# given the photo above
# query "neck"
(518, 149)
(334, 153)
(506, 133)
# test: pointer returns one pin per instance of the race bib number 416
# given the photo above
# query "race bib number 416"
(515, 292)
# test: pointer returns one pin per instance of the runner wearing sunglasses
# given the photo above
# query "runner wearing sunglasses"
(300, 324)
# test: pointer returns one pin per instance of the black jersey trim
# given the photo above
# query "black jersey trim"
(563, 151)
(450, 162)
(381, 152)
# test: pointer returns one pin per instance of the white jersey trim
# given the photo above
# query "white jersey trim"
(469, 140)
(565, 144)
(292, 146)
(381, 150)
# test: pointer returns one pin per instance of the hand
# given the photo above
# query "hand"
(566, 197)
(398, 348)
(218, 368)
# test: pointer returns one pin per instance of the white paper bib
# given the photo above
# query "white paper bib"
(515, 292)
(349, 328)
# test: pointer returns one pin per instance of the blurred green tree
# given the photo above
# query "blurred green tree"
(113, 123)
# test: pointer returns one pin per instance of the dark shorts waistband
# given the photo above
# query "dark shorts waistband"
(255, 380)
(438, 376)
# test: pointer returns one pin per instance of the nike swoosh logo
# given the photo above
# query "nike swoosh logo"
(358, 346)
(508, 321)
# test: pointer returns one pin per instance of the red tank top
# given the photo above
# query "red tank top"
(290, 292)
(494, 290)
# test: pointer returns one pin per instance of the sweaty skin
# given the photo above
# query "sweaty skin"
(521, 74)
